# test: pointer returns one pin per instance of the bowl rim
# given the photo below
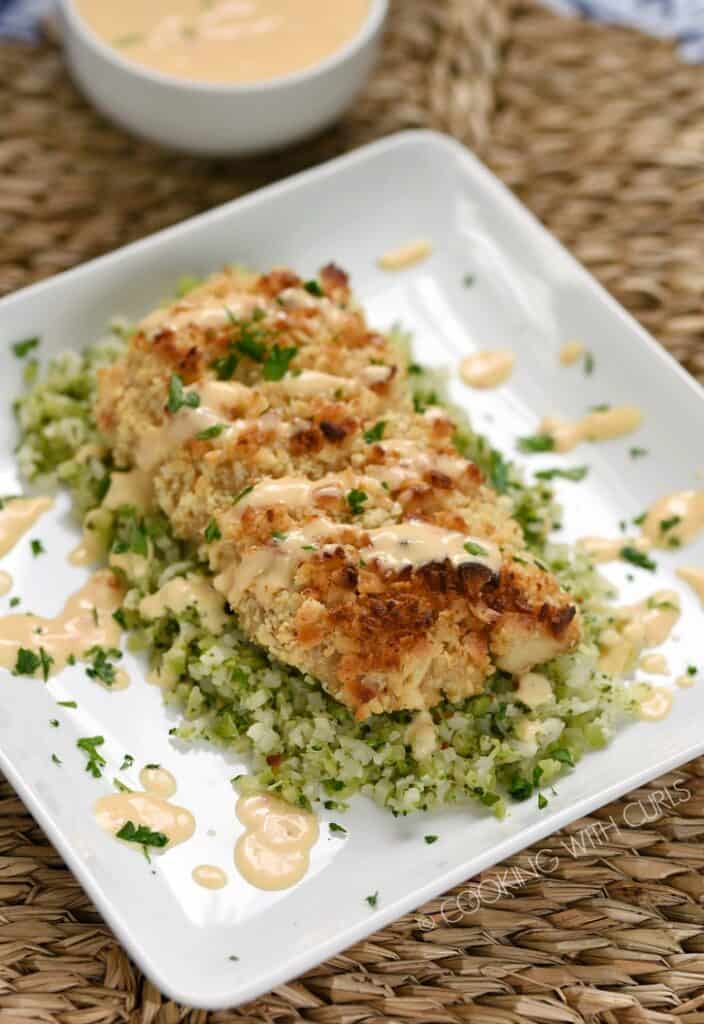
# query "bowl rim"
(372, 23)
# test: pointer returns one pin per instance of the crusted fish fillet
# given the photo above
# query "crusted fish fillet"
(344, 529)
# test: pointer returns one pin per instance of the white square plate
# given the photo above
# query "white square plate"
(528, 294)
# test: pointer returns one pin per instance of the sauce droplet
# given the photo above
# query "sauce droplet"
(570, 352)
(488, 368)
(607, 549)
(209, 876)
(158, 781)
(16, 516)
(656, 664)
(86, 621)
(421, 735)
(148, 810)
(695, 578)
(598, 425)
(91, 547)
(274, 852)
(637, 627)
(675, 519)
(405, 255)
(656, 704)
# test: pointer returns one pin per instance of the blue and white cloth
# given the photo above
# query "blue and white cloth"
(682, 20)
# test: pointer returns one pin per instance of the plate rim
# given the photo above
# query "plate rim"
(441, 145)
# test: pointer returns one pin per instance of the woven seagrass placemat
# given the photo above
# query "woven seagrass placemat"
(601, 133)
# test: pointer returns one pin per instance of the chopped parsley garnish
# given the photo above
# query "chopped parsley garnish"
(373, 899)
(133, 539)
(152, 767)
(46, 662)
(178, 397)
(23, 348)
(601, 407)
(119, 617)
(27, 662)
(637, 453)
(67, 704)
(536, 443)
(243, 494)
(121, 787)
(692, 670)
(101, 666)
(431, 839)
(575, 473)
(414, 369)
(210, 432)
(37, 547)
(95, 762)
(498, 472)
(542, 802)
(277, 362)
(356, 500)
(248, 344)
(143, 835)
(468, 280)
(472, 548)
(226, 366)
(102, 487)
(127, 762)
(278, 535)
(54, 723)
(56, 760)
(630, 554)
(375, 433)
(334, 827)
(667, 524)
(314, 288)
(520, 788)
(563, 755)
(212, 532)
(639, 520)
(14, 601)
(588, 363)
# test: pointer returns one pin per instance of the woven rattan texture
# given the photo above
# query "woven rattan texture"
(601, 132)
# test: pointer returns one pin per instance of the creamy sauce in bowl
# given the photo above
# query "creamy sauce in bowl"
(225, 41)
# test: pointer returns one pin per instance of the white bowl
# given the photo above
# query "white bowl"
(219, 119)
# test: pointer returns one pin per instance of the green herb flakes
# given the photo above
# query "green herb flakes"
(536, 443)
(639, 558)
(95, 760)
(23, 348)
(356, 500)
(178, 398)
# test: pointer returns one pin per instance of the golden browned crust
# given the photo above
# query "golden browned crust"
(378, 638)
